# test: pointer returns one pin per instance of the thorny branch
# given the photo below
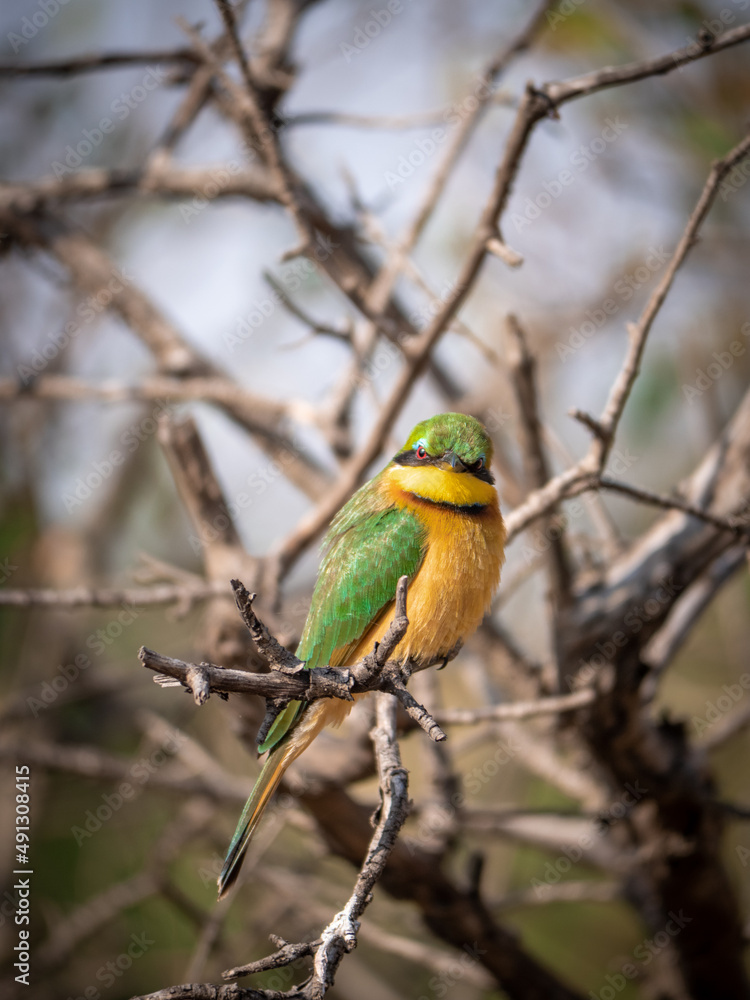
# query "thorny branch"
(290, 680)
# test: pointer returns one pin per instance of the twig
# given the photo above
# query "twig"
(638, 332)
(616, 76)
(299, 313)
(396, 122)
(98, 61)
(522, 366)
(574, 479)
(517, 710)
(290, 680)
(110, 597)
(560, 892)
(286, 954)
(669, 503)
(341, 934)
(662, 648)
(90, 762)
(157, 180)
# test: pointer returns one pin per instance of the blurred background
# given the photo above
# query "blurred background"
(600, 202)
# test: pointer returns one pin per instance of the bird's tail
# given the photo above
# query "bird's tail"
(304, 723)
(273, 770)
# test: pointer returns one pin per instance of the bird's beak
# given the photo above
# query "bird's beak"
(452, 459)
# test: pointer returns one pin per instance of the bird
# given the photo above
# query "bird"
(433, 515)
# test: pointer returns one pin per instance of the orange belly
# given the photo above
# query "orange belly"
(447, 598)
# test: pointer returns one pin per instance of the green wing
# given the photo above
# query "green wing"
(367, 549)
(358, 578)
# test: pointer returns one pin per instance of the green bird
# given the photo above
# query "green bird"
(432, 515)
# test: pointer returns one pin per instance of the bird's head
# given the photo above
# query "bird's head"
(451, 442)
(446, 460)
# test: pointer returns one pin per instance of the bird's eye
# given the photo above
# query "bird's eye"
(421, 451)
(479, 464)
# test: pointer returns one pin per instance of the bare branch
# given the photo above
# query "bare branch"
(98, 61)
(517, 710)
(112, 597)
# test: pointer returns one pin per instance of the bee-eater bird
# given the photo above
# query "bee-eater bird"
(432, 515)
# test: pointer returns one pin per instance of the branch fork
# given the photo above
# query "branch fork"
(290, 680)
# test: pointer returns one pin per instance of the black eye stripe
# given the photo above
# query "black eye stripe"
(409, 457)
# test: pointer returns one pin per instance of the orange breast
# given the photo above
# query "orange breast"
(453, 588)
(447, 598)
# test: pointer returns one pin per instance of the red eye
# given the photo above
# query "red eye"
(479, 464)
(421, 451)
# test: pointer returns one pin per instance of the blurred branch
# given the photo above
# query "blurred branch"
(616, 76)
(456, 914)
(516, 710)
(95, 273)
(671, 503)
(87, 920)
(734, 722)
(98, 61)
(163, 181)
(418, 120)
(522, 371)
(111, 597)
(267, 413)
(91, 762)
(662, 648)
(560, 892)
(638, 332)
(574, 480)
